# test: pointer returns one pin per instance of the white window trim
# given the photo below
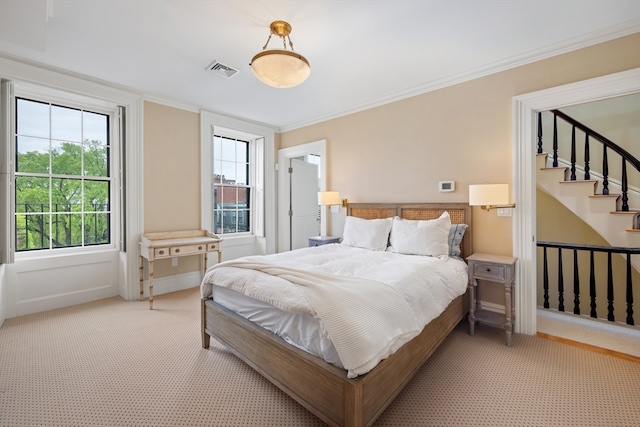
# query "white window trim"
(12, 70)
(263, 224)
(49, 96)
(255, 143)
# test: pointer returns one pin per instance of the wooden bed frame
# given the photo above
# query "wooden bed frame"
(322, 388)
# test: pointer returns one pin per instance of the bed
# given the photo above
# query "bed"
(321, 387)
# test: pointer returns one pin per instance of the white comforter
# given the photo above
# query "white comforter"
(370, 303)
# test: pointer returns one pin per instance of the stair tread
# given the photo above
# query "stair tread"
(629, 212)
(633, 230)
(605, 195)
(589, 181)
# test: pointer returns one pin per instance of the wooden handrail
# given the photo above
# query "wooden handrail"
(607, 142)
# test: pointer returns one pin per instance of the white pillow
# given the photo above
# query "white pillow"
(370, 234)
(430, 237)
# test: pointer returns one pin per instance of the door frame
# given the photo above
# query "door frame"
(525, 109)
(316, 147)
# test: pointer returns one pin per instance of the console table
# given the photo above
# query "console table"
(174, 244)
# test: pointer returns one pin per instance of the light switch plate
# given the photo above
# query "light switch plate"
(504, 211)
(335, 208)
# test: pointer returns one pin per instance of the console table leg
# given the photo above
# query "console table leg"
(141, 274)
(150, 285)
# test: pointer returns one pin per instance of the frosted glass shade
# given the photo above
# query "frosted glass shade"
(488, 194)
(328, 198)
(280, 68)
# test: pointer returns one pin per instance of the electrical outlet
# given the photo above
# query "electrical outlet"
(504, 211)
(174, 261)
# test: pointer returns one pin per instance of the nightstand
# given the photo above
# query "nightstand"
(498, 269)
(322, 240)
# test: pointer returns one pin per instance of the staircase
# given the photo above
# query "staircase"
(599, 311)
(601, 212)
(602, 202)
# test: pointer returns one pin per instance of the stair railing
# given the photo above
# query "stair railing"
(607, 144)
(591, 249)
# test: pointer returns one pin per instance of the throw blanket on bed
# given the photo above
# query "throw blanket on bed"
(366, 320)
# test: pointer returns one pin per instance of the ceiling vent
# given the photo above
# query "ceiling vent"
(222, 70)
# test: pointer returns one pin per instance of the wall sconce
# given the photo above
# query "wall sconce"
(490, 196)
(330, 198)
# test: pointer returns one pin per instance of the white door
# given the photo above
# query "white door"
(304, 203)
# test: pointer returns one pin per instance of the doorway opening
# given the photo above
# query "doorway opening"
(295, 191)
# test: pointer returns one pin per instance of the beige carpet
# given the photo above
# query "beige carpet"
(115, 363)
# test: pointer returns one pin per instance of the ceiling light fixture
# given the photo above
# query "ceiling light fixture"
(280, 68)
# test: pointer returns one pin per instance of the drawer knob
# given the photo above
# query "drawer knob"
(199, 248)
(177, 250)
(161, 252)
(488, 269)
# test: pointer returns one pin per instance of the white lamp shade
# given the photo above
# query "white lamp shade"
(327, 198)
(280, 68)
(489, 194)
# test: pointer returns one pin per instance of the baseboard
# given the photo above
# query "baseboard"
(590, 347)
(612, 338)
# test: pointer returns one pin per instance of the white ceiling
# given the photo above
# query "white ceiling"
(362, 53)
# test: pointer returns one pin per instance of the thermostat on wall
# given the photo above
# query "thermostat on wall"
(446, 186)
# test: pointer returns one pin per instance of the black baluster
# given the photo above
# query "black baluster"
(610, 315)
(576, 284)
(573, 153)
(625, 187)
(555, 141)
(540, 133)
(629, 292)
(586, 157)
(545, 282)
(605, 171)
(592, 286)
(560, 282)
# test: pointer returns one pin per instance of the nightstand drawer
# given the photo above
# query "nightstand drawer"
(489, 271)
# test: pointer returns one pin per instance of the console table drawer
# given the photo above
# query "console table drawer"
(187, 249)
(213, 247)
(489, 271)
(161, 253)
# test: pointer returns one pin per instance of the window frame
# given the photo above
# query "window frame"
(51, 96)
(264, 238)
(252, 184)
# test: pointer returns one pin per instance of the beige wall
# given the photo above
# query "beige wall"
(171, 177)
(398, 152)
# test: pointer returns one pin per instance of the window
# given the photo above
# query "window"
(63, 179)
(231, 185)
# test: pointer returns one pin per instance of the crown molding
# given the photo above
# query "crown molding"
(575, 43)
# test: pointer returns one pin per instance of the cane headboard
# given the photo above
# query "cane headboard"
(460, 213)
